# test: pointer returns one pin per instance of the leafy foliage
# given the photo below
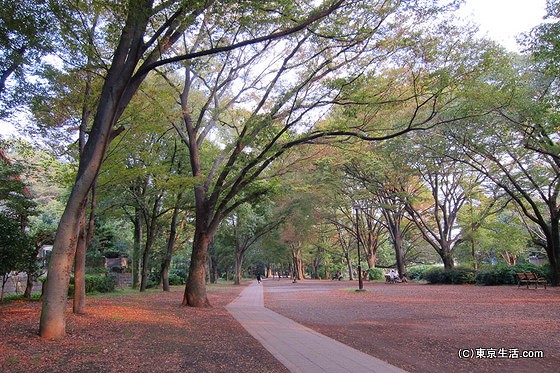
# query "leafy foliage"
(502, 274)
(450, 276)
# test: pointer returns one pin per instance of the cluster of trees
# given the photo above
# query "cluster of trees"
(289, 131)
(26, 223)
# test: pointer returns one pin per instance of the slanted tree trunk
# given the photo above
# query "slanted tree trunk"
(117, 91)
(79, 301)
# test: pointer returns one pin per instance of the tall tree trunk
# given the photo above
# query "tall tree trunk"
(79, 301)
(137, 247)
(238, 266)
(349, 266)
(145, 259)
(553, 250)
(399, 254)
(117, 91)
(215, 273)
(297, 260)
(53, 320)
(195, 289)
(170, 245)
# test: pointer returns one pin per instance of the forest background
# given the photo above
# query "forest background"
(199, 143)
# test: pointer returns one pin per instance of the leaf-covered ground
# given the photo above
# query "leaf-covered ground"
(150, 332)
(421, 328)
(431, 328)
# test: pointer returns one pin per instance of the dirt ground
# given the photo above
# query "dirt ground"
(150, 332)
(431, 328)
(421, 328)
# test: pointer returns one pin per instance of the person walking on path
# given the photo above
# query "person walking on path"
(258, 278)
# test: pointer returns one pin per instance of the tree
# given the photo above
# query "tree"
(134, 55)
(26, 35)
(14, 246)
(515, 147)
(246, 227)
(270, 124)
(385, 182)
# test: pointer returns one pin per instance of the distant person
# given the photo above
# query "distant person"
(258, 278)
(394, 276)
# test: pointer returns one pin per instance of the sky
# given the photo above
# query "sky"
(500, 20)
(503, 20)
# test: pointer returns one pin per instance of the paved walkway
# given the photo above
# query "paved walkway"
(299, 348)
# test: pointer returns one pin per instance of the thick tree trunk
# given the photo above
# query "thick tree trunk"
(399, 254)
(29, 286)
(370, 258)
(53, 321)
(195, 289)
(298, 262)
(447, 258)
(117, 91)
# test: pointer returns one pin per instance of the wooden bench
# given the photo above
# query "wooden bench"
(389, 280)
(529, 278)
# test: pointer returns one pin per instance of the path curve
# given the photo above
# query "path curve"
(299, 348)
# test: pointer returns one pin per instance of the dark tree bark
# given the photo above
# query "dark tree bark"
(170, 244)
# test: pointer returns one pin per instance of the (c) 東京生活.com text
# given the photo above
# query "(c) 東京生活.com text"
(499, 353)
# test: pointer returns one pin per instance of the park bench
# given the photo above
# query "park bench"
(389, 280)
(529, 278)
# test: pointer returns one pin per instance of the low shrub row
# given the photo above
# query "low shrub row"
(96, 284)
(503, 274)
(450, 276)
(500, 274)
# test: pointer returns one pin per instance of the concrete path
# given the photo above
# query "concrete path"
(299, 348)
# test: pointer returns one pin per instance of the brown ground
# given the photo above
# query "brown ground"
(420, 328)
(151, 332)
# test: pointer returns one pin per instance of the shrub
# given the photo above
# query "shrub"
(375, 274)
(176, 279)
(111, 254)
(101, 284)
(503, 274)
(450, 276)
(416, 273)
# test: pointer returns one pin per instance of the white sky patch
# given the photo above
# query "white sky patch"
(504, 20)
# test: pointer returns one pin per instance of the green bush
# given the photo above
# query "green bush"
(503, 274)
(416, 273)
(450, 276)
(96, 284)
(176, 279)
(375, 274)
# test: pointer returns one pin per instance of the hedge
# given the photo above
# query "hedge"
(503, 274)
(457, 275)
(96, 284)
